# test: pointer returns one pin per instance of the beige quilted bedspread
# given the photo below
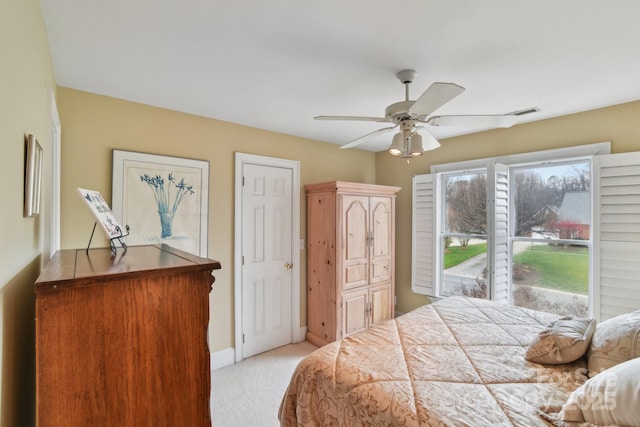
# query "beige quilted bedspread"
(456, 362)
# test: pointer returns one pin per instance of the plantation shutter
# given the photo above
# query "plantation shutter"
(616, 284)
(423, 241)
(498, 233)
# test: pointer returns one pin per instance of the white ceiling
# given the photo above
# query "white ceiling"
(276, 64)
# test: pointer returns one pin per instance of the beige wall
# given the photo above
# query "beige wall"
(26, 85)
(617, 124)
(93, 125)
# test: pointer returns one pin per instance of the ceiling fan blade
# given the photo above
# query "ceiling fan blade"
(356, 118)
(491, 120)
(434, 97)
(362, 139)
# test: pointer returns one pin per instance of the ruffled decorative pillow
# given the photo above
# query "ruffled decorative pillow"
(564, 341)
(616, 340)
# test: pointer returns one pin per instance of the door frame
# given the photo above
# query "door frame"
(56, 143)
(240, 160)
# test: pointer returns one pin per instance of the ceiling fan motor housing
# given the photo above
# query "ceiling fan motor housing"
(399, 110)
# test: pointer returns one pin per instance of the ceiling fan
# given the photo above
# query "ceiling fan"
(407, 115)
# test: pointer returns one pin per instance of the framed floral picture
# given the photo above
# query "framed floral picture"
(162, 199)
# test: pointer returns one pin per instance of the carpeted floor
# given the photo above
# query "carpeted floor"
(248, 393)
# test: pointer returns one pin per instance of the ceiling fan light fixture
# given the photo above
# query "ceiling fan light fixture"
(397, 145)
(415, 145)
(429, 142)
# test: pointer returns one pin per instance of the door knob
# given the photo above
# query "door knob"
(288, 266)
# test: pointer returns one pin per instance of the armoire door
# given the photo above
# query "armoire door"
(355, 241)
(381, 239)
(355, 313)
(381, 303)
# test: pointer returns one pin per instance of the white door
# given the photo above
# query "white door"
(266, 258)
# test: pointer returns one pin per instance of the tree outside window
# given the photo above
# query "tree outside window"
(465, 238)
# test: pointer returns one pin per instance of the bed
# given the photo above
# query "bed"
(458, 361)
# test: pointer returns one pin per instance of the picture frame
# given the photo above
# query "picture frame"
(32, 176)
(162, 199)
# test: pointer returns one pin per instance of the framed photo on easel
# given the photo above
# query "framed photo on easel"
(103, 216)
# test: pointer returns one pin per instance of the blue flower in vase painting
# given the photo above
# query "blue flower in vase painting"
(167, 197)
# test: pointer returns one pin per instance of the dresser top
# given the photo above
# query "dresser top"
(77, 267)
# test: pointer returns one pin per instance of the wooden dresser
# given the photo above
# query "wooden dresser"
(350, 258)
(123, 341)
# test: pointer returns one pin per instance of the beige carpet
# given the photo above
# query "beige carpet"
(249, 393)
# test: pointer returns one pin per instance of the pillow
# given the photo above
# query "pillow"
(616, 340)
(609, 398)
(564, 341)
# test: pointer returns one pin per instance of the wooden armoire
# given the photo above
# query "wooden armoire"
(122, 341)
(350, 258)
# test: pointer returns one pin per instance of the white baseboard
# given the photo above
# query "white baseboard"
(301, 335)
(226, 357)
(222, 358)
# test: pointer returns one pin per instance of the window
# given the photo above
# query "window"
(463, 238)
(540, 246)
(544, 211)
(551, 237)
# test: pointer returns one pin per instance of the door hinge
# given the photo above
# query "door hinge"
(243, 181)
(242, 338)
